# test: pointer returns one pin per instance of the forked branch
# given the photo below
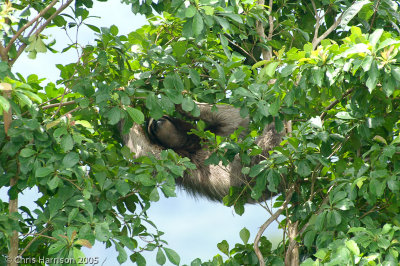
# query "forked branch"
(268, 222)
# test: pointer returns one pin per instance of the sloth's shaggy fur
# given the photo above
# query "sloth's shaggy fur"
(210, 181)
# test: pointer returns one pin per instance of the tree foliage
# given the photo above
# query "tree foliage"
(332, 68)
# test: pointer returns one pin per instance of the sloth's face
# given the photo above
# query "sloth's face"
(166, 133)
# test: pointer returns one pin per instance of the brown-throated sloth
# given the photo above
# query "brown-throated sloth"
(211, 181)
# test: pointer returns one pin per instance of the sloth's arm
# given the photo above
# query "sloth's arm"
(224, 121)
(137, 141)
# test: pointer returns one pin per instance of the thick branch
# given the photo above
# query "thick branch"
(271, 21)
(267, 55)
(292, 253)
(6, 88)
(13, 203)
(267, 223)
(317, 21)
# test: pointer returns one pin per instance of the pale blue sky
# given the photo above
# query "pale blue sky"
(192, 227)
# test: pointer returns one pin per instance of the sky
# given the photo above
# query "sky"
(192, 227)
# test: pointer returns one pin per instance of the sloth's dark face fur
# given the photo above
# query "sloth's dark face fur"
(172, 133)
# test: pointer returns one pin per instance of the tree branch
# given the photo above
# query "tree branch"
(292, 253)
(13, 203)
(267, 223)
(324, 202)
(375, 11)
(27, 25)
(317, 21)
(33, 240)
(58, 105)
(327, 32)
(330, 106)
(40, 29)
(267, 55)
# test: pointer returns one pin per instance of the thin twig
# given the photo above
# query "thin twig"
(374, 16)
(33, 240)
(330, 106)
(324, 202)
(27, 25)
(38, 31)
(58, 105)
(268, 222)
(243, 50)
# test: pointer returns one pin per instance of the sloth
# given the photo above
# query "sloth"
(209, 181)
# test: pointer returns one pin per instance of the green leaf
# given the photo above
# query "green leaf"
(5, 105)
(136, 115)
(396, 72)
(160, 257)
(321, 254)
(114, 115)
(44, 171)
(333, 218)
(235, 17)
(154, 196)
(40, 47)
(114, 30)
(344, 115)
(84, 123)
(172, 256)
(194, 76)
(122, 187)
(187, 104)
(78, 254)
(373, 75)
(198, 24)
(316, 122)
(154, 106)
(303, 168)
(56, 247)
(375, 36)
(72, 214)
(224, 247)
(244, 235)
(309, 238)
(223, 22)
(26, 152)
(274, 107)
(102, 231)
(288, 70)
(352, 11)
(122, 256)
(53, 183)
(318, 76)
(67, 143)
(139, 259)
(271, 68)
(190, 11)
(70, 159)
(352, 246)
